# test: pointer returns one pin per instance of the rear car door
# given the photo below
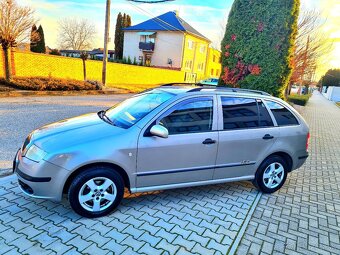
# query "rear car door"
(246, 134)
(189, 153)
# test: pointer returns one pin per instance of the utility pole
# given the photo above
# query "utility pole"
(106, 39)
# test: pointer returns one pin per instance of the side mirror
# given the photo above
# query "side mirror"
(160, 131)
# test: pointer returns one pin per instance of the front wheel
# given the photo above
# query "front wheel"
(271, 175)
(96, 192)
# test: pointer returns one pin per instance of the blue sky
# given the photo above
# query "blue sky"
(207, 16)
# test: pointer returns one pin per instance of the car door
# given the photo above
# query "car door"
(246, 134)
(189, 152)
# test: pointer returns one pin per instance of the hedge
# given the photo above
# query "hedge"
(258, 45)
(50, 84)
(299, 99)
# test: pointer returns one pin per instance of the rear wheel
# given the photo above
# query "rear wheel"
(96, 192)
(271, 175)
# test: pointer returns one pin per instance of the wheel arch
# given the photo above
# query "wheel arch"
(287, 158)
(119, 169)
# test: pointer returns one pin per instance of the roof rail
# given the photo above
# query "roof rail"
(178, 83)
(236, 90)
(200, 86)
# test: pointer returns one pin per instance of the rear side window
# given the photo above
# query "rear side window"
(191, 117)
(239, 113)
(243, 113)
(282, 115)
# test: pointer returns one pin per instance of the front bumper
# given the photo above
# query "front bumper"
(40, 180)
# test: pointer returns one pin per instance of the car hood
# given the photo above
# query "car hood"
(74, 131)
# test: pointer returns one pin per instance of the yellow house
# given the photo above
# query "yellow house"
(195, 52)
(213, 66)
(168, 41)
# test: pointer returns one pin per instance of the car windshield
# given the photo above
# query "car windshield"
(130, 111)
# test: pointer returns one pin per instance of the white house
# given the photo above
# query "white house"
(167, 41)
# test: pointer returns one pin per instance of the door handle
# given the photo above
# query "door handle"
(267, 137)
(209, 141)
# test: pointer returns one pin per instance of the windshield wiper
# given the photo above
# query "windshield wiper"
(104, 117)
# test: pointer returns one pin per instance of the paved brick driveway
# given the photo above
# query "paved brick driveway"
(302, 218)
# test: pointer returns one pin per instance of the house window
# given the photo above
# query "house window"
(214, 58)
(188, 64)
(212, 72)
(200, 66)
(147, 38)
(217, 72)
(190, 44)
(202, 49)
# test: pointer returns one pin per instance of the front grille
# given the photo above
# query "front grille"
(26, 188)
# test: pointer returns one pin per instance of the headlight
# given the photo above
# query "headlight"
(35, 153)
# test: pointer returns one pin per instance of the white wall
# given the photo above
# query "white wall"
(333, 94)
(168, 45)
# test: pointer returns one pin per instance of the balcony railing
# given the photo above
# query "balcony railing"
(147, 46)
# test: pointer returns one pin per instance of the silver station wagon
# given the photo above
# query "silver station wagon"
(169, 137)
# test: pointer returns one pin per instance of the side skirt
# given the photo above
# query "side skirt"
(191, 184)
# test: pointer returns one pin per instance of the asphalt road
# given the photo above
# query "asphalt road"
(21, 115)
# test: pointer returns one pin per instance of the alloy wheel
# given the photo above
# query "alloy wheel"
(97, 194)
(273, 175)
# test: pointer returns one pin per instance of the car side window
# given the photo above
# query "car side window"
(282, 115)
(193, 116)
(264, 117)
(239, 113)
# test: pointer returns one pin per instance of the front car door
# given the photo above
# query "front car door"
(189, 153)
(246, 133)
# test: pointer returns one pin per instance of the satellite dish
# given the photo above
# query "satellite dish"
(150, 1)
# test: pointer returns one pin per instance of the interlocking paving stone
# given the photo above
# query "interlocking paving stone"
(56, 229)
(304, 216)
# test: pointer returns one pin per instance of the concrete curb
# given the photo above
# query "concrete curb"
(7, 179)
(23, 93)
(5, 172)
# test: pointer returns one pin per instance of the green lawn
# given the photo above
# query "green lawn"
(338, 104)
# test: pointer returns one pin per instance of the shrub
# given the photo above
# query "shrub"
(50, 84)
(258, 45)
(299, 99)
(129, 60)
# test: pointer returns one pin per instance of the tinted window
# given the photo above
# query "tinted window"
(192, 117)
(239, 113)
(282, 115)
(265, 119)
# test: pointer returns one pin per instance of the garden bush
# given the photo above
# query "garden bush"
(299, 99)
(258, 45)
(50, 84)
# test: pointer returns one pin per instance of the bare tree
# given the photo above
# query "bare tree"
(77, 34)
(15, 27)
(311, 44)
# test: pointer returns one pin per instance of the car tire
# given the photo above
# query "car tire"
(96, 192)
(271, 175)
